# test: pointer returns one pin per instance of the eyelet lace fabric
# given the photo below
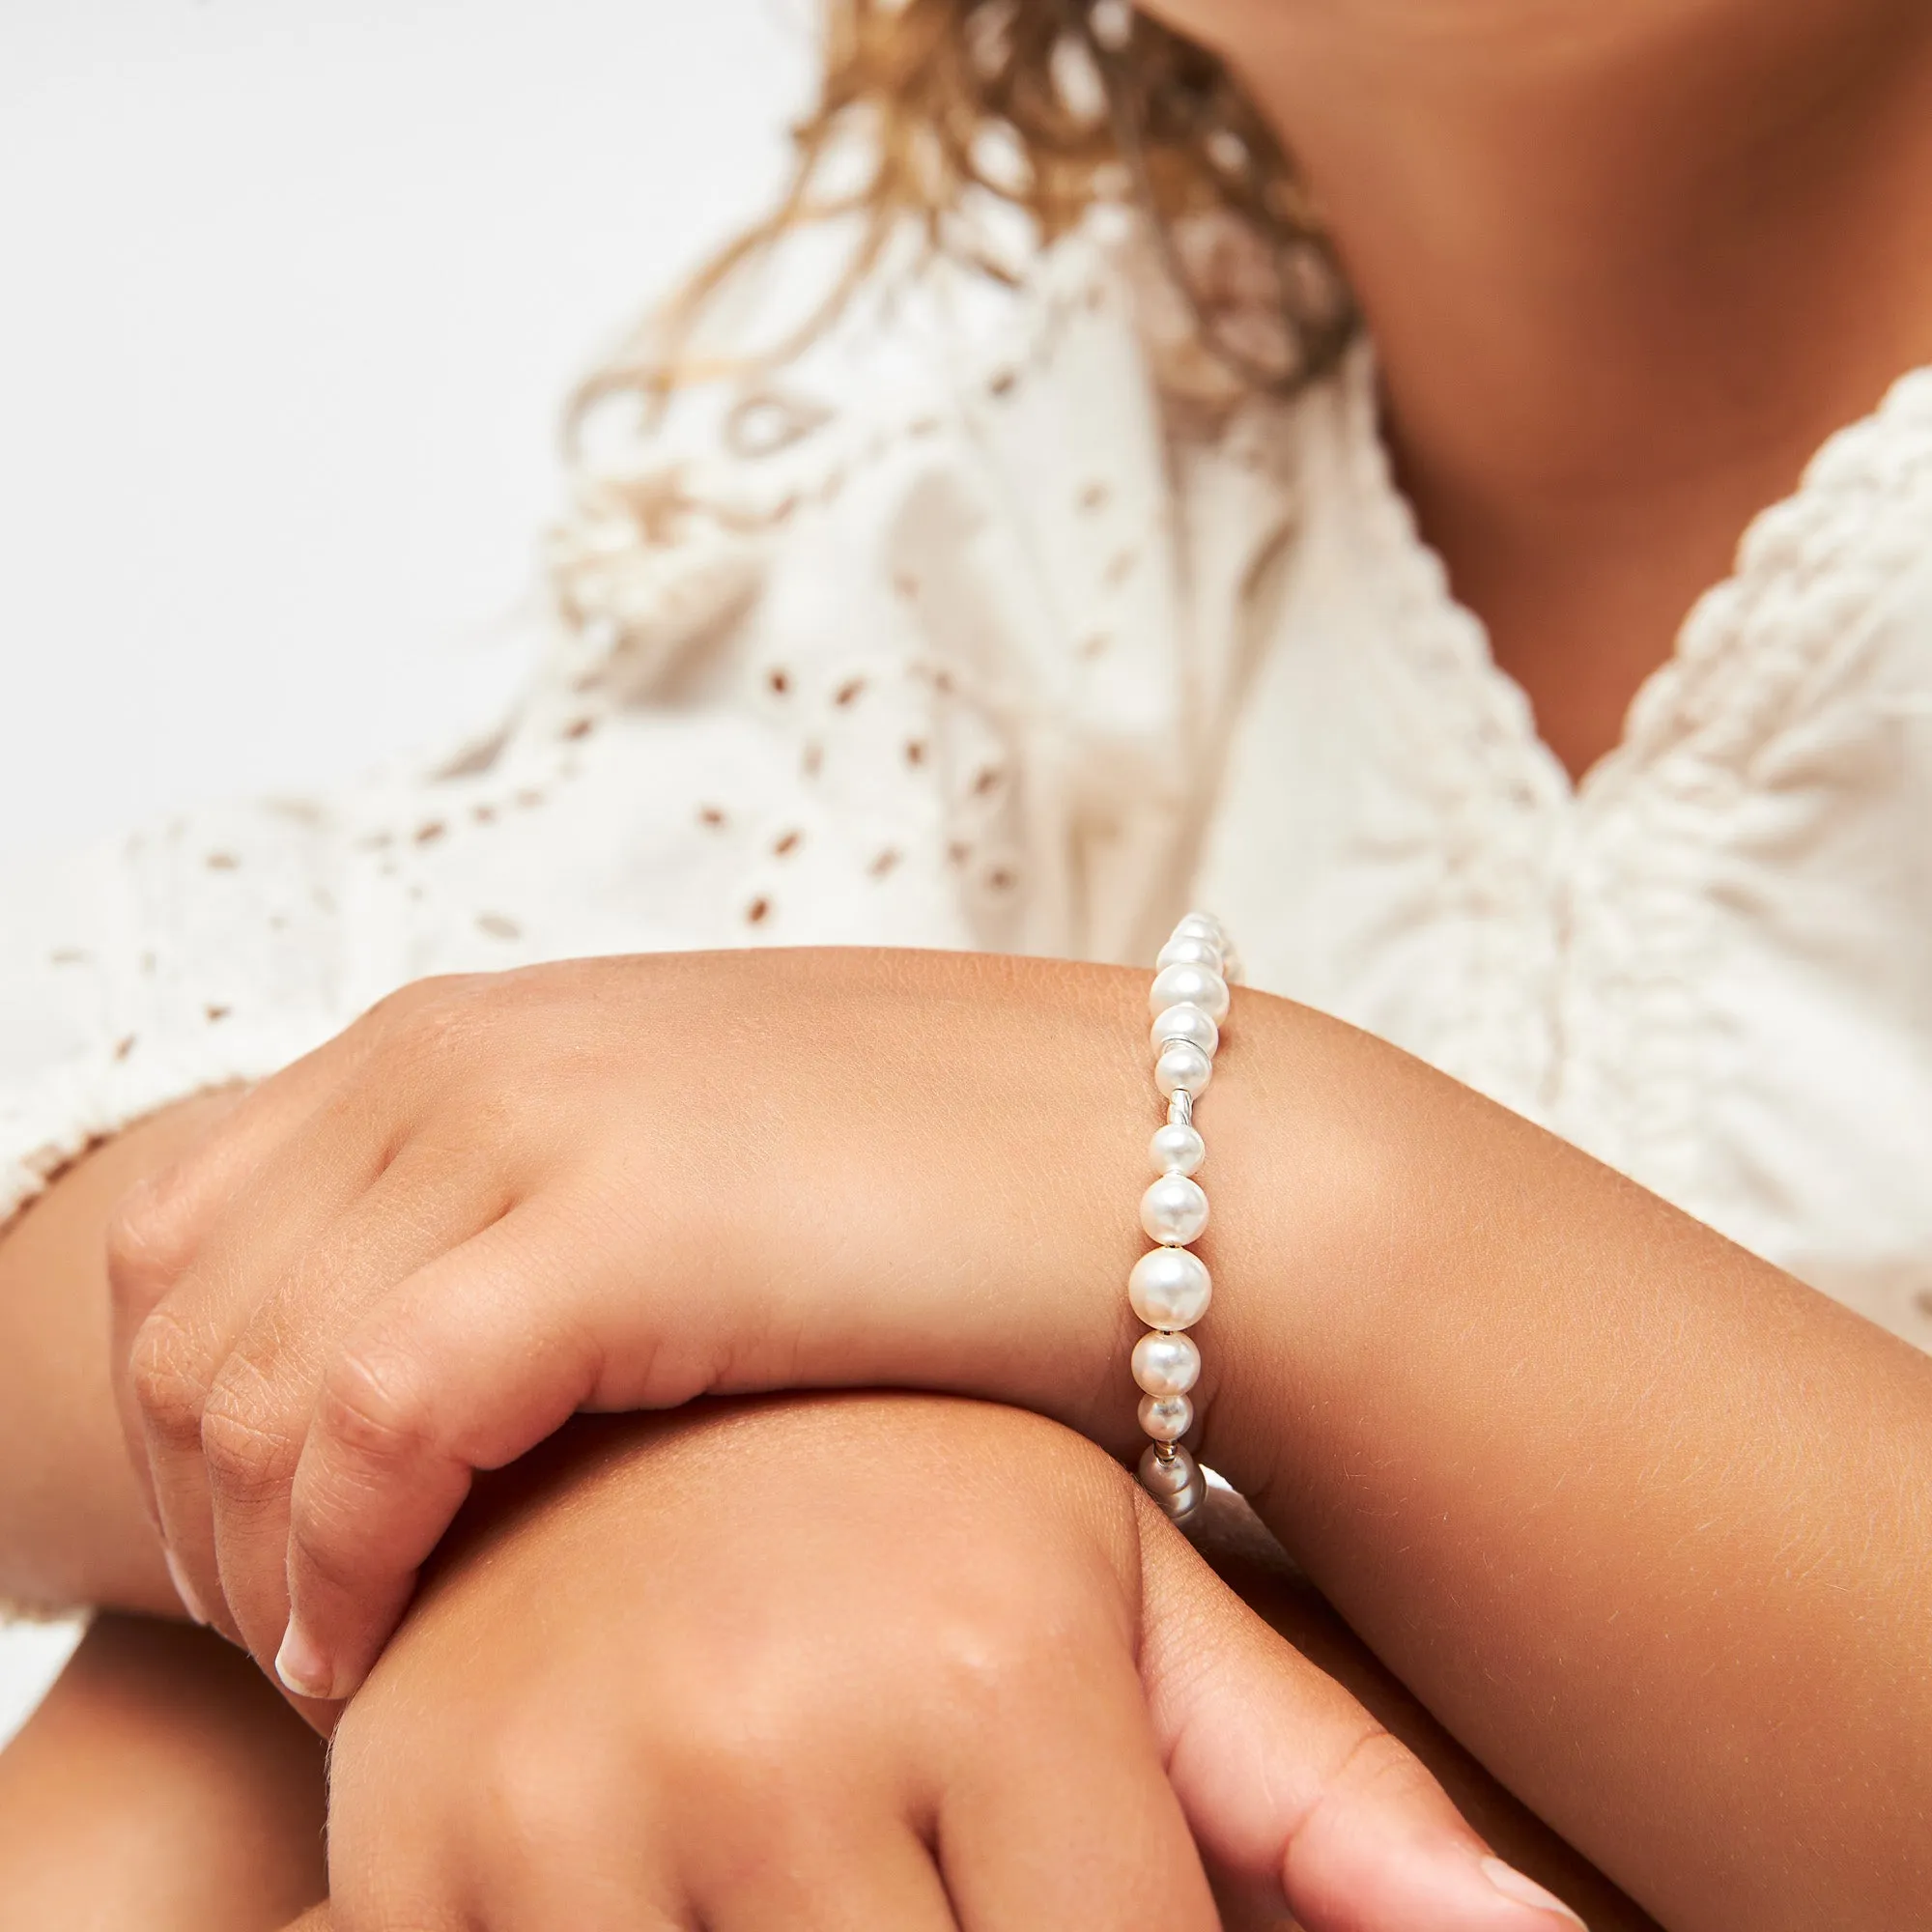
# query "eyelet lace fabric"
(1013, 640)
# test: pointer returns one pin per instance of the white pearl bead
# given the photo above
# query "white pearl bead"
(1182, 1064)
(1173, 1210)
(1167, 1418)
(1194, 985)
(1169, 1288)
(1173, 1481)
(1166, 1364)
(1177, 1150)
(1189, 952)
(1189, 1023)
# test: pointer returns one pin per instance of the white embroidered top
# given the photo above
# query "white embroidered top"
(1025, 651)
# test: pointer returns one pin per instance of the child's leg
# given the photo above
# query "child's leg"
(162, 1784)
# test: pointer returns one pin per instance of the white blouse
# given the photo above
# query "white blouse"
(1022, 643)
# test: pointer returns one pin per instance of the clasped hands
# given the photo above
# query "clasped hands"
(945, 1664)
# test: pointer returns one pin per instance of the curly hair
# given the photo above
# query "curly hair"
(1042, 108)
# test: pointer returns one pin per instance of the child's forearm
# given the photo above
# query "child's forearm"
(162, 1784)
(1648, 1523)
(1643, 1520)
(72, 1528)
(1249, 1561)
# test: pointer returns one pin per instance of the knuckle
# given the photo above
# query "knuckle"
(549, 1786)
(983, 1671)
(328, 1542)
(731, 1755)
(167, 1371)
(431, 990)
(438, 1030)
(376, 1402)
(1372, 1771)
(150, 1239)
(345, 1541)
(246, 1441)
(747, 1723)
(1378, 1764)
(426, 1009)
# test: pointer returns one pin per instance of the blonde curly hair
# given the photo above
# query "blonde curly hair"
(1042, 108)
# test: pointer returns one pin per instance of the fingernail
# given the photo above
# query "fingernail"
(302, 1666)
(184, 1589)
(1512, 1884)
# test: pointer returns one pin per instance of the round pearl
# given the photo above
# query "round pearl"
(1182, 1064)
(1189, 952)
(1193, 985)
(1167, 1418)
(1173, 1481)
(1173, 1210)
(1169, 1288)
(1202, 926)
(1167, 1364)
(1189, 1023)
(1177, 1150)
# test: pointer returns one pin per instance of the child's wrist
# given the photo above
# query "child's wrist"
(1301, 1170)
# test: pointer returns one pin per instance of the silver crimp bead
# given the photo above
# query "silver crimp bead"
(1184, 1022)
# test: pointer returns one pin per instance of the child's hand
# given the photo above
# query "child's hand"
(880, 1662)
(616, 1184)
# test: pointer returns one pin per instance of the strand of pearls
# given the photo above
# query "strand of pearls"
(1169, 1285)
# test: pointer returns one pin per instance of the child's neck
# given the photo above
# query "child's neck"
(1626, 266)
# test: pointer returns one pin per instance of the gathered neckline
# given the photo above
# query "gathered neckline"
(1804, 569)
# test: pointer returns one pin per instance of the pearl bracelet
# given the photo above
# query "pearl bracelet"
(1169, 1285)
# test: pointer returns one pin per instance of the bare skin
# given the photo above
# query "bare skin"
(73, 1526)
(1624, 268)
(162, 1784)
(1646, 1523)
(165, 1783)
(843, 1706)
(102, 1826)
(1585, 429)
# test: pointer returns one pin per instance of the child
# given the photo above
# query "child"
(1377, 653)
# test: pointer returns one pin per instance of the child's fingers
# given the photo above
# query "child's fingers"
(159, 1226)
(190, 1252)
(159, 1229)
(468, 1364)
(179, 1351)
(1289, 1781)
(1068, 1824)
(259, 1410)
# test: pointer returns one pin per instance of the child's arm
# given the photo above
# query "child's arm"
(163, 1785)
(73, 1526)
(869, 1661)
(1644, 1520)
(75, 1529)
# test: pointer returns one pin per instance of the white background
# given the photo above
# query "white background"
(290, 293)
